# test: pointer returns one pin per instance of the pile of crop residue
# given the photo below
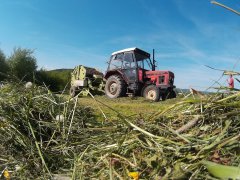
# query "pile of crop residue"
(44, 136)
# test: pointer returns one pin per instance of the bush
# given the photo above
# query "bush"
(22, 64)
(56, 80)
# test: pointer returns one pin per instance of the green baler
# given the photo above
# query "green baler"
(85, 79)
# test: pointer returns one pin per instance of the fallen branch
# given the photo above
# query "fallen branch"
(225, 72)
(189, 125)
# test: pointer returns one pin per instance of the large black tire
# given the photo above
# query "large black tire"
(115, 87)
(151, 92)
(171, 94)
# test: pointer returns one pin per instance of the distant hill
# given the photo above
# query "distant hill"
(60, 70)
(178, 90)
(187, 91)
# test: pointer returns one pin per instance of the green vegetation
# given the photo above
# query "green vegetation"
(47, 136)
(131, 107)
(21, 65)
(36, 129)
(4, 66)
(55, 80)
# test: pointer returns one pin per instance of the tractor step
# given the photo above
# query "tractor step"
(130, 94)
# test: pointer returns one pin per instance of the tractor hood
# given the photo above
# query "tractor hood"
(161, 78)
(159, 73)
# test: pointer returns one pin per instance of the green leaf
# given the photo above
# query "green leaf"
(222, 171)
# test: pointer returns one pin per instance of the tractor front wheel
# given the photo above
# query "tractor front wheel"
(152, 93)
(115, 87)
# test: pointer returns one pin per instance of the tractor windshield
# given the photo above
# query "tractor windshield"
(129, 60)
(122, 61)
(143, 61)
(116, 61)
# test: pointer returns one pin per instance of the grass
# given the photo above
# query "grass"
(173, 139)
(127, 106)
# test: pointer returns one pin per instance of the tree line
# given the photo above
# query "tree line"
(21, 65)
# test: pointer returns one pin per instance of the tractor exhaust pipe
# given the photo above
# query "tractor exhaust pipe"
(154, 62)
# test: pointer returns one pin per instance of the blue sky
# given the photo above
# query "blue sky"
(186, 34)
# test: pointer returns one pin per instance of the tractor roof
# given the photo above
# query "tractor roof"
(132, 49)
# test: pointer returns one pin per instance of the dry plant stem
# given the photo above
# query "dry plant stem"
(39, 150)
(217, 140)
(110, 170)
(3, 171)
(229, 97)
(158, 114)
(131, 124)
(33, 134)
(120, 157)
(142, 130)
(224, 6)
(98, 106)
(65, 118)
(77, 161)
(70, 126)
(50, 140)
(236, 138)
(66, 86)
(189, 125)
(108, 147)
(118, 175)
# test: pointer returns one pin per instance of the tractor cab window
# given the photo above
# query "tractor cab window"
(122, 61)
(128, 61)
(143, 62)
(116, 61)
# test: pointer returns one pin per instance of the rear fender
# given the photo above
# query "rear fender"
(117, 72)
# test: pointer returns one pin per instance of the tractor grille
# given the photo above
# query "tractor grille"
(161, 80)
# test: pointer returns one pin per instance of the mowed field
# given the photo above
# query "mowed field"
(127, 106)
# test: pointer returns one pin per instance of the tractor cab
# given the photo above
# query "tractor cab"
(131, 57)
(128, 62)
(131, 71)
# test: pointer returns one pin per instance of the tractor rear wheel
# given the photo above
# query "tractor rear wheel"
(152, 93)
(115, 87)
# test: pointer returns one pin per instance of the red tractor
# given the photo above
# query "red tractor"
(128, 73)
